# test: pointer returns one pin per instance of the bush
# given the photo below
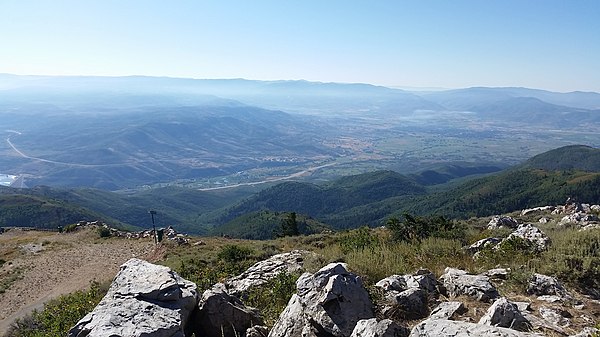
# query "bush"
(358, 240)
(234, 253)
(415, 229)
(70, 228)
(203, 273)
(104, 232)
(58, 315)
(574, 257)
(231, 261)
(272, 297)
(288, 227)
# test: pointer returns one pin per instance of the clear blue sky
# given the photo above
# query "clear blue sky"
(543, 44)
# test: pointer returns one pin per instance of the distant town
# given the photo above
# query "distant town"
(11, 181)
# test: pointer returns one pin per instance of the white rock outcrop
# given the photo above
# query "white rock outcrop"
(446, 328)
(329, 302)
(543, 285)
(458, 282)
(143, 300)
(384, 328)
(502, 221)
(262, 271)
(506, 314)
(528, 232)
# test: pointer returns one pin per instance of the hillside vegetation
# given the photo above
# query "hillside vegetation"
(348, 202)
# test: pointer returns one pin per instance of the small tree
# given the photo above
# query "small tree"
(289, 226)
(415, 229)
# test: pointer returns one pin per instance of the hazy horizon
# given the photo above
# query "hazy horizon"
(460, 44)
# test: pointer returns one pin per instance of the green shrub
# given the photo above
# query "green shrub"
(70, 228)
(574, 257)
(415, 229)
(232, 260)
(103, 232)
(358, 240)
(272, 297)
(58, 315)
(288, 227)
(203, 273)
(234, 253)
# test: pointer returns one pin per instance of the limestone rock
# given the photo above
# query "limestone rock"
(257, 331)
(505, 314)
(392, 283)
(262, 271)
(497, 273)
(222, 315)
(542, 285)
(458, 282)
(408, 304)
(143, 300)
(422, 279)
(579, 219)
(533, 234)
(502, 221)
(536, 210)
(406, 296)
(481, 244)
(555, 317)
(446, 328)
(329, 302)
(384, 328)
(447, 310)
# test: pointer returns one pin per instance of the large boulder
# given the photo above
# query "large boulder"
(143, 300)
(458, 282)
(446, 328)
(222, 315)
(262, 271)
(328, 303)
(422, 279)
(407, 296)
(384, 328)
(505, 314)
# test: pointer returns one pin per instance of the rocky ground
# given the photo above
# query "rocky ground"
(331, 301)
(43, 265)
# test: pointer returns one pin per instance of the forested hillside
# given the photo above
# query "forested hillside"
(348, 202)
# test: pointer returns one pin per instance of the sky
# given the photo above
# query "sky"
(545, 44)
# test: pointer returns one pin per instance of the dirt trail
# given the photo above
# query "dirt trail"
(55, 264)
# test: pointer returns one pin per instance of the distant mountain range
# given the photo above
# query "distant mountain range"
(348, 202)
(117, 133)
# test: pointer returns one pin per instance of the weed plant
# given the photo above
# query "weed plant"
(58, 315)
(272, 297)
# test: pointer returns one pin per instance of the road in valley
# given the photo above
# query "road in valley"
(270, 180)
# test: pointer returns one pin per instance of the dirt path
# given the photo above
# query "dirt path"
(55, 264)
